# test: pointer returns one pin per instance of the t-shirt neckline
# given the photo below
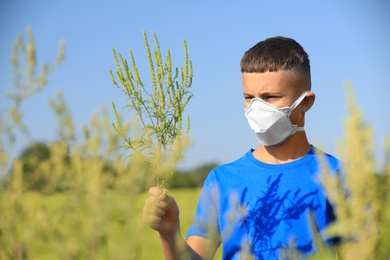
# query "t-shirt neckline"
(293, 164)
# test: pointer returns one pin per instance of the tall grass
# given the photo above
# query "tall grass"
(361, 195)
(159, 108)
(89, 198)
(84, 204)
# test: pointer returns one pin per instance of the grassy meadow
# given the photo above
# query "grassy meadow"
(79, 197)
(65, 226)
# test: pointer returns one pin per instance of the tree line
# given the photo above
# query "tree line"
(37, 153)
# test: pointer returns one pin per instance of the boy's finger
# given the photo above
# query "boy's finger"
(158, 207)
(153, 222)
(155, 191)
(153, 201)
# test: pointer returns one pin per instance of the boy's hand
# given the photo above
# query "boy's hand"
(161, 212)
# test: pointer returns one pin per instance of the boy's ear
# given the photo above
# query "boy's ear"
(308, 102)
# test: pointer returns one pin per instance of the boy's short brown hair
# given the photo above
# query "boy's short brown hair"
(277, 53)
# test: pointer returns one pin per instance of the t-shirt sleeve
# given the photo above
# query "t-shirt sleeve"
(205, 222)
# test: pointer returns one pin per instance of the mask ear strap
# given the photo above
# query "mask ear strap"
(293, 106)
(298, 101)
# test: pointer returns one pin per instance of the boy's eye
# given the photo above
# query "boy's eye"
(264, 97)
(271, 97)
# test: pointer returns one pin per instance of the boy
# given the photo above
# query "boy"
(262, 202)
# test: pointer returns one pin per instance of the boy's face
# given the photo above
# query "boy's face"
(279, 89)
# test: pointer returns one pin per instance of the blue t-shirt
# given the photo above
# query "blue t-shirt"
(250, 206)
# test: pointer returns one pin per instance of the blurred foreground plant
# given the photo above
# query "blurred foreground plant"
(27, 82)
(359, 196)
(77, 200)
(158, 107)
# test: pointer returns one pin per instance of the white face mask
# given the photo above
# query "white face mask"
(272, 125)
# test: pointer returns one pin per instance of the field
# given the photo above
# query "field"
(65, 226)
(79, 197)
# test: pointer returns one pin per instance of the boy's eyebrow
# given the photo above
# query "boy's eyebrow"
(265, 94)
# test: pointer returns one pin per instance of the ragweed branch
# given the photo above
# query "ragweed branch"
(159, 107)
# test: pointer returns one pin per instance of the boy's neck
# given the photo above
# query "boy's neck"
(294, 148)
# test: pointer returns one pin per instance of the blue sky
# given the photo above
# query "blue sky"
(346, 41)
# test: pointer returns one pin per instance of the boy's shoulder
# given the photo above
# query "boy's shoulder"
(325, 159)
(243, 161)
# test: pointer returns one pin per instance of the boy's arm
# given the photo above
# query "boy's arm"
(205, 248)
(162, 214)
(175, 247)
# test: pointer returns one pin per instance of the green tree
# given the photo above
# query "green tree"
(31, 157)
